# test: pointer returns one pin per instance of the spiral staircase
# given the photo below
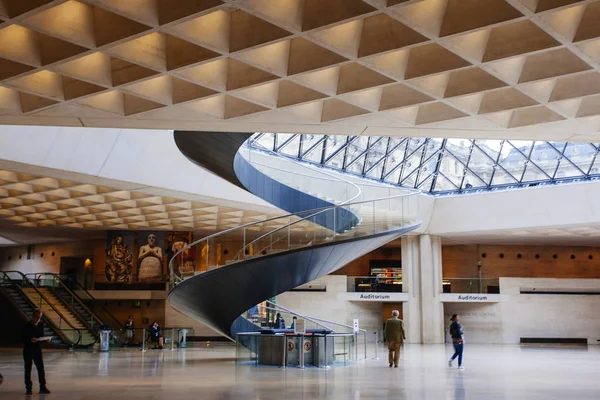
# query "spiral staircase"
(331, 222)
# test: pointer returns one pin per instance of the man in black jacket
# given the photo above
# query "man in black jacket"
(32, 351)
(457, 332)
(155, 336)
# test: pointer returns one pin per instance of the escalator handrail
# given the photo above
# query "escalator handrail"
(81, 288)
(37, 277)
(63, 319)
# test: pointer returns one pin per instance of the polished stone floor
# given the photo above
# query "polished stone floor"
(492, 372)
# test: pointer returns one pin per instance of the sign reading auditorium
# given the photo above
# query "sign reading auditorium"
(385, 297)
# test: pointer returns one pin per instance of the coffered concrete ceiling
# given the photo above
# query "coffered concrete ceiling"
(462, 68)
(39, 201)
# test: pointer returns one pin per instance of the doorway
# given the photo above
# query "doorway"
(76, 271)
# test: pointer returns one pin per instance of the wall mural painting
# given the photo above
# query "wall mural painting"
(185, 263)
(119, 258)
(150, 259)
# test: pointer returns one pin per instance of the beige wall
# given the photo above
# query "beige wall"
(174, 318)
(330, 306)
(152, 310)
(50, 260)
(518, 315)
(461, 261)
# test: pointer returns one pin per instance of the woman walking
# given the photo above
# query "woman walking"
(457, 332)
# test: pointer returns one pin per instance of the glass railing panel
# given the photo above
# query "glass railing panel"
(73, 336)
(62, 291)
(301, 177)
(470, 285)
(287, 233)
(343, 349)
(245, 344)
(266, 318)
(172, 338)
(374, 284)
(13, 276)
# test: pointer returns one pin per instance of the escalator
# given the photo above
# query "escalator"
(24, 297)
(77, 300)
(332, 222)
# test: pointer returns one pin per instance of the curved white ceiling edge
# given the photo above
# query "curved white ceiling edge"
(546, 207)
(137, 158)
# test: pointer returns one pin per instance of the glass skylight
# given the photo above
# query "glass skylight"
(440, 166)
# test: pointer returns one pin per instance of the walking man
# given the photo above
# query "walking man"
(457, 332)
(32, 351)
(394, 333)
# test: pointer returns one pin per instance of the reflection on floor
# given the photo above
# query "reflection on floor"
(492, 372)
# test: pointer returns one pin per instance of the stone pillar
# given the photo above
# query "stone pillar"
(411, 278)
(422, 274)
(432, 310)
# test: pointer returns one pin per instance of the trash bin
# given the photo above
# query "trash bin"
(183, 338)
(104, 340)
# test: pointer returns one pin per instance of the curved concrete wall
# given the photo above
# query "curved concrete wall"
(290, 199)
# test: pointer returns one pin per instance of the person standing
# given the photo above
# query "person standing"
(279, 322)
(395, 336)
(32, 351)
(155, 336)
(129, 330)
(457, 332)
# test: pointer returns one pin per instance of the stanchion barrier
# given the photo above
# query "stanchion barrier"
(375, 336)
(284, 353)
(326, 366)
(143, 339)
(365, 343)
(172, 339)
(301, 352)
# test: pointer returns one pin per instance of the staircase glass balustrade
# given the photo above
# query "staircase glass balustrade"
(266, 318)
(333, 187)
(296, 231)
(325, 209)
(327, 186)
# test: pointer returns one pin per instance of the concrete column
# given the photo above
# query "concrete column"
(411, 284)
(422, 280)
(432, 311)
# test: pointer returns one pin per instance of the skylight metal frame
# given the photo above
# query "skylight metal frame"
(448, 158)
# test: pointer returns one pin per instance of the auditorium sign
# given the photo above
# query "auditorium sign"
(472, 297)
(370, 296)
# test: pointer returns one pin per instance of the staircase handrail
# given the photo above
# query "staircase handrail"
(320, 171)
(313, 319)
(329, 175)
(408, 193)
(38, 276)
(335, 178)
(311, 213)
(310, 319)
(42, 297)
